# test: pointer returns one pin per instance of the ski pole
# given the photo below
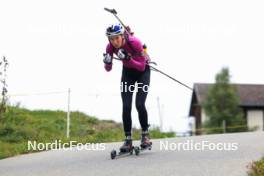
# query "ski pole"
(114, 12)
(157, 70)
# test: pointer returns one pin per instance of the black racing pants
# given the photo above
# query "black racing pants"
(128, 80)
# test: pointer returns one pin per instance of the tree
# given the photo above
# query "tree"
(4, 97)
(222, 105)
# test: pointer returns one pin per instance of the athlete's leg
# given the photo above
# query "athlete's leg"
(127, 94)
(143, 86)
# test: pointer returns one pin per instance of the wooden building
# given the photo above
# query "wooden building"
(251, 100)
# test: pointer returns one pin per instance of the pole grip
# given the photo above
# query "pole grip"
(113, 11)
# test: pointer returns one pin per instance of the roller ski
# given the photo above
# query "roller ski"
(146, 144)
(125, 150)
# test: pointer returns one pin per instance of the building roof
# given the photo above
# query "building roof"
(250, 95)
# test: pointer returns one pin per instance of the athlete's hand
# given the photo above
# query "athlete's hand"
(122, 54)
(107, 59)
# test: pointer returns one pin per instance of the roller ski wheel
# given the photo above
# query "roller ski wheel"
(115, 155)
(139, 149)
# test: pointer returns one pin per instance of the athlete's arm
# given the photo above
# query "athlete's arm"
(110, 51)
(138, 62)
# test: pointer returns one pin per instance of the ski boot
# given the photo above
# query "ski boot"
(145, 140)
(125, 149)
(145, 143)
(127, 146)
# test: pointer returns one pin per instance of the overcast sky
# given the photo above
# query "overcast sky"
(54, 45)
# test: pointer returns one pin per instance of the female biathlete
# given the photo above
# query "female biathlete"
(130, 51)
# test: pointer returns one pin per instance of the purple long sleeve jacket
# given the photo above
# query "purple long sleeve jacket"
(135, 49)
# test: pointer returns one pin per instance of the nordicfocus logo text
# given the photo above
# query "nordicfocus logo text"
(199, 146)
(57, 144)
(125, 87)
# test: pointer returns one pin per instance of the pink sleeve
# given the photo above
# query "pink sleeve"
(109, 50)
(137, 62)
(139, 65)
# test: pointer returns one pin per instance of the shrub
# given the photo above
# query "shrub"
(256, 168)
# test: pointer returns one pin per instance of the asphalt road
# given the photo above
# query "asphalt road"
(158, 161)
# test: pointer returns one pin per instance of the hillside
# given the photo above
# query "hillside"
(21, 125)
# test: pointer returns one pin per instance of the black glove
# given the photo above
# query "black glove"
(107, 58)
(122, 54)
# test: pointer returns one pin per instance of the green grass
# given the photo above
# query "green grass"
(21, 125)
(256, 168)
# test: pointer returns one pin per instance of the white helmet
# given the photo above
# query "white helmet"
(114, 30)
